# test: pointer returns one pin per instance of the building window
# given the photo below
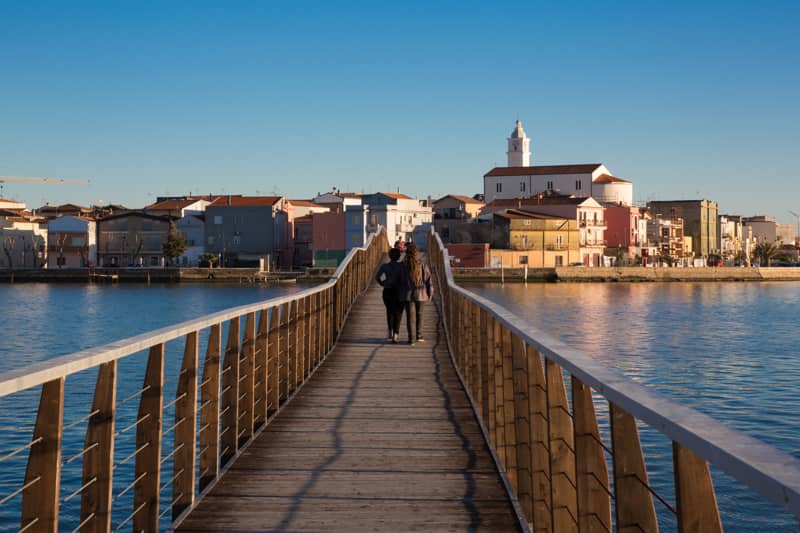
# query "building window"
(578, 185)
(210, 239)
(523, 260)
(217, 220)
(355, 220)
(522, 186)
(373, 219)
(559, 241)
(550, 186)
(153, 261)
(559, 260)
(499, 187)
(237, 240)
(526, 222)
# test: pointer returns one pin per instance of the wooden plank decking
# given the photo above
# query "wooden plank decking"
(382, 438)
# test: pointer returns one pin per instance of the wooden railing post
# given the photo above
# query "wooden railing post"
(148, 440)
(209, 409)
(229, 395)
(297, 337)
(540, 443)
(491, 398)
(499, 414)
(43, 472)
(283, 353)
(273, 361)
(483, 364)
(594, 493)
(99, 460)
(475, 363)
(314, 330)
(522, 426)
(246, 400)
(509, 414)
(562, 452)
(262, 370)
(694, 493)
(301, 333)
(633, 502)
(185, 437)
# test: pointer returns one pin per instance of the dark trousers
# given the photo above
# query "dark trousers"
(394, 309)
(418, 306)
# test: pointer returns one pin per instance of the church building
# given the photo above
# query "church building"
(521, 180)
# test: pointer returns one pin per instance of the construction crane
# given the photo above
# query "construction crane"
(42, 181)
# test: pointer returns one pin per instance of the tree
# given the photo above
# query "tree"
(8, 247)
(208, 260)
(766, 252)
(175, 244)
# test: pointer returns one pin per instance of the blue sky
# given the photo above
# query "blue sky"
(155, 98)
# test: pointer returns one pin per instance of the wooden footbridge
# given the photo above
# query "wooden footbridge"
(307, 419)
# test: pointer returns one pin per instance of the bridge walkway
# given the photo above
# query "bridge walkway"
(382, 438)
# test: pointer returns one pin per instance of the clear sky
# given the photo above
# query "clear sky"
(687, 100)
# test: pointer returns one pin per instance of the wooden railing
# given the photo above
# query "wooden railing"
(550, 449)
(270, 349)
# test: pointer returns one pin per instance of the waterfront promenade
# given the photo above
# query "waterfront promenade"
(380, 438)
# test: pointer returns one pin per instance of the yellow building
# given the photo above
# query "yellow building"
(521, 238)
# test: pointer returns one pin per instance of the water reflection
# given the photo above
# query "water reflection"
(729, 350)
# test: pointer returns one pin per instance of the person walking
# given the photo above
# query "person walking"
(418, 291)
(391, 276)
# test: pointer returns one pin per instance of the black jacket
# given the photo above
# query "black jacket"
(392, 277)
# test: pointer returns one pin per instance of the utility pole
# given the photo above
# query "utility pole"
(796, 216)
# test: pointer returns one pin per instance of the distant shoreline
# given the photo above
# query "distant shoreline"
(626, 274)
(321, 275)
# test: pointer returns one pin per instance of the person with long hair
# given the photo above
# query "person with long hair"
(418, 291)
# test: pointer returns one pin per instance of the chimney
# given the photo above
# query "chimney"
(229, 199)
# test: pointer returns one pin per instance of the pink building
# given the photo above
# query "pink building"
(624, 234)
(328, 238)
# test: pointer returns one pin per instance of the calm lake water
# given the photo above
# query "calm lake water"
(730, 350)
(41, 321)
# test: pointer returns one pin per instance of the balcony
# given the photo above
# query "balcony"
(593, 224)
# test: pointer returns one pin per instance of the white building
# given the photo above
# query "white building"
(72, 242)
(338, 201)
(22, 240)
(520, 180)
(401, 215)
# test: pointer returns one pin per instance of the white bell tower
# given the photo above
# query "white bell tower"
(519, 148)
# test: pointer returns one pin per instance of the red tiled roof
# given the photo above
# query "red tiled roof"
(545, 200)
(513, 214)
(539, 170)
(170, 204)
(240, 201)
(460, 198)
(607, 178)
(396, 195)
(303, 203)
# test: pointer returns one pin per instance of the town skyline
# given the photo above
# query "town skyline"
(260, 99)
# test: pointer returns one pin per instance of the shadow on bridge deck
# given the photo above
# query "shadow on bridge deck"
(382, 438)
